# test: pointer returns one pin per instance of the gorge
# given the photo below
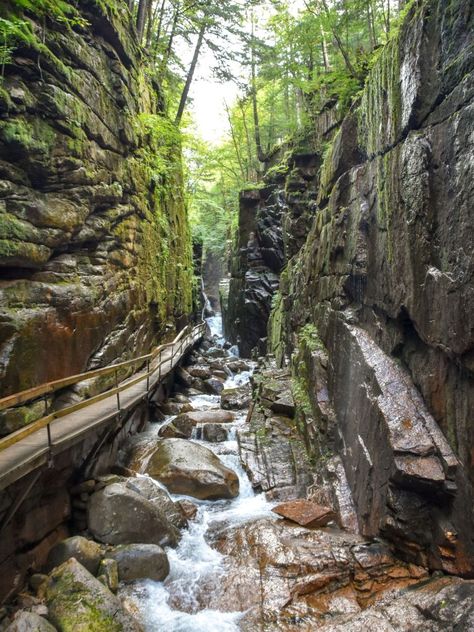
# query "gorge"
(307, 463)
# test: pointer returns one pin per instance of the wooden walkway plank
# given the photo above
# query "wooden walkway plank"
(34, 450)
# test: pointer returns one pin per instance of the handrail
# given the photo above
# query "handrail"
(51, 387)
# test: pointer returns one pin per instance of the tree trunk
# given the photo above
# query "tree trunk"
(141, 17)
(189, 78)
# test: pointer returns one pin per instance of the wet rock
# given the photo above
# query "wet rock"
(236, 366)
(220, 374)
(302, 572)
(213, 386)
(274, 456)
(181, 399)
(120, 515)
(24, 621)
(305, 513)
(87, 552)
(36, 581)
(202, 371)
(150, 489)
(214, 433)
(183, 377)
(204, 417)
(216, 352)
(140, 561)
(236, 398)
(188, 468)
(169, 430)
(188, 509)
(78, 601)
(108, 570)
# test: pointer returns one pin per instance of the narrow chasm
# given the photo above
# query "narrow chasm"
(236, 316)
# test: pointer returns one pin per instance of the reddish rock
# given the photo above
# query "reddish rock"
(305, 513)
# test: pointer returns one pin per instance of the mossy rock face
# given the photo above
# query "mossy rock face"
(78, 602)
(94, 234)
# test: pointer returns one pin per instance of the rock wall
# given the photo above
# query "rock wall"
(95, 255)
(376, 308)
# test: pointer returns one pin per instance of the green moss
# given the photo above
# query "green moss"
(28, 136)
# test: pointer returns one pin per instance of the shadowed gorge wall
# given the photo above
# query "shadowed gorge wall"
(95, 255)
(375, 308)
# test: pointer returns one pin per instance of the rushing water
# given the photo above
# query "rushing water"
(177, 604)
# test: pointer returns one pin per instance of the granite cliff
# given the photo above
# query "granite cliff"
(373, 234)
(95, 254)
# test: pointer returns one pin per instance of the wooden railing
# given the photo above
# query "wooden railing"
(185, 338)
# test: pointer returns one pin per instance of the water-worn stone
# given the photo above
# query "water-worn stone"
(203, 417)
(108, 569)
(188, 508)
(236, 398)
(140, 561)
(169, 430)
(202, 371)
(213, 386)
(87, 552)
(25, 621)
(78, 602)
(305, 513)
(120, 515)
(214, 433)
(188, 468)
(159, 497)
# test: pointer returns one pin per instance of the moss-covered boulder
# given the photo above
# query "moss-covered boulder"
(78, 602)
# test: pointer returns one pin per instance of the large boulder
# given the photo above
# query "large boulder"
(78, 602)
(150, 489)
(188, 468)
(214, 433)
(29, 622)
(185, 423)
(213, 386)
(87, 552)
(120, 515)
(140, 561)
(202, 371)
(236, 398)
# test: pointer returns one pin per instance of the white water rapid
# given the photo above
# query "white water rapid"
(179, 603)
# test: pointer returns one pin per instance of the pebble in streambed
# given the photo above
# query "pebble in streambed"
(179, 604)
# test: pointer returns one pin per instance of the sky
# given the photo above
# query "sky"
(208, 95)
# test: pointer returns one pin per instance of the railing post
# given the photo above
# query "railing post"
(116, 386)
(50, 446)
(148, 375)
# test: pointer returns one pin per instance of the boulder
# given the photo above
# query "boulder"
(202, 371)
(120, 515)
(236, 398)
(188, 509)
(214, 433)
(87, 552)
(169, 430)
(183, 376)
(305, 513)
(29, 622)
(213, 386)
(202, 417)
(150, 489)
(108, 574)
(236, 366)
(140, 561)
(78, 602)
(216, 352)
(188, 468)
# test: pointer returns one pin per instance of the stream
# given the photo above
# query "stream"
(196, 568)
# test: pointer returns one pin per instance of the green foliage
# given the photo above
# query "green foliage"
(309, 337)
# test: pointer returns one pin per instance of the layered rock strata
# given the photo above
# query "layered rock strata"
(376, 308)
(95, 255)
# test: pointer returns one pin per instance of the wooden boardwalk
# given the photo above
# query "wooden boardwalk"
(28, 453)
